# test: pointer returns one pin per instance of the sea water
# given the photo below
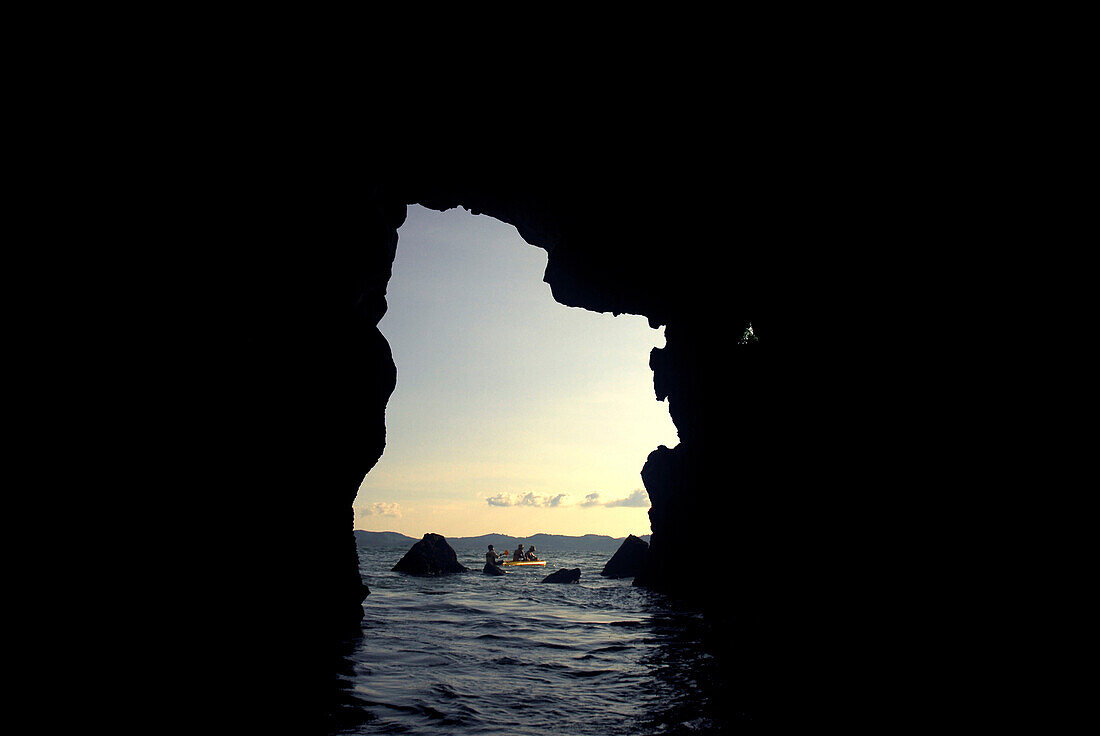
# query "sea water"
(511, 656)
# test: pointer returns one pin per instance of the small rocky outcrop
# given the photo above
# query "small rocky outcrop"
(628, 559)
(564, 575)
(430, 556)
(491, 569)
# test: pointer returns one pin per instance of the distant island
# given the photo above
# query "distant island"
(542, 542)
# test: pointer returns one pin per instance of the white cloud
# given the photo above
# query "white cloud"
(528, 499)
(638, 498)
(380, 508)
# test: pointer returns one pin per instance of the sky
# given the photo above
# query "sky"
(513, 414)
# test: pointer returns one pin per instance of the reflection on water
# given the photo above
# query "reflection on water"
(474, 654)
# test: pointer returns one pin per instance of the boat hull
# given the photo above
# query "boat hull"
(513, 563)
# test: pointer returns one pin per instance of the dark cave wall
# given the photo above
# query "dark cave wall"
(307, 378)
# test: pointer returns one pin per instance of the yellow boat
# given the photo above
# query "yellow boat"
(516, 563)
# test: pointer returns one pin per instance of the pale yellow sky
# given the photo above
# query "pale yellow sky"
(511, 410)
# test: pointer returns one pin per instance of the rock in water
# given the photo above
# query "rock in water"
(564, 576)
(627, 561)
(491, 569)
(430, 556)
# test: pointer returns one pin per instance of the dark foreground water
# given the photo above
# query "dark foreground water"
(475, 654)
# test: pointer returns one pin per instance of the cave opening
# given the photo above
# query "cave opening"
(315, 375)
(512, 413)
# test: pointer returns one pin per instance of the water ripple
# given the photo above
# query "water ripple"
(469, 654)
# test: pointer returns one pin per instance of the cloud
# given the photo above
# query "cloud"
(528, 499)
(380, 509)
(638, 498)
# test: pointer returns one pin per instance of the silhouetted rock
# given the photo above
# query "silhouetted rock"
(430, 556)
(491, 569)
(564, 575)
(627, 560)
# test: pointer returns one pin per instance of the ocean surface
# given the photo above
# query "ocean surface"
(511, 656)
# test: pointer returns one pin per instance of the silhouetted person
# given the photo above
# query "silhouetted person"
(530, 556)
(492, 563)
(491, 557)
(518, 556)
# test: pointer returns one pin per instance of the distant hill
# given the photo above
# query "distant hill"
(382, 539)
(542, 542)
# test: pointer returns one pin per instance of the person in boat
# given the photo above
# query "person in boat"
(491, 557)
(530, 556)
(519, 555)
